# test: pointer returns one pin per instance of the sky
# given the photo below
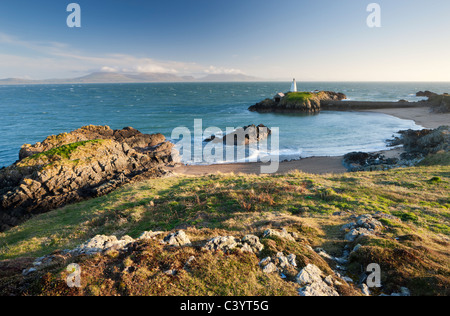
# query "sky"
(311, 40)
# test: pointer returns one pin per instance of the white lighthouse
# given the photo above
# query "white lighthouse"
(294, 86)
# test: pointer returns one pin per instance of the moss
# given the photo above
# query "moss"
(435, 180)
(64, 152)
(406, 217)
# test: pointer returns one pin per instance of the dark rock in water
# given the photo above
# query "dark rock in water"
(210, 139)
(243, 136)
(88, 162)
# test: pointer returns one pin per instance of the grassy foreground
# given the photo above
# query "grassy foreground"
(413, 250)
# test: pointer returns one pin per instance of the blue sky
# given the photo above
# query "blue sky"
(324, 40)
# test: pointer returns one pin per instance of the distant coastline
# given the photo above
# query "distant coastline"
(114, 77)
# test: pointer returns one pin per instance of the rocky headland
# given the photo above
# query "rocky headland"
(314, 102)
(418, 146)
(440, 103)
(66, 168)
(308, 102)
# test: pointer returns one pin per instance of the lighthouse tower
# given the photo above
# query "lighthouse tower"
(294, 86)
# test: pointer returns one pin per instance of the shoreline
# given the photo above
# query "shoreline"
(421, 115)
(322, 165)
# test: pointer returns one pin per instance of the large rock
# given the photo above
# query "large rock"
(178, 239)
(365, 225)
(223, 243)
(102, 243)
(246, 135)
(253, 243)
(419, 144)
(312, 278)
(283, 234)
(309, 102)
(318, 289)
(309, 275)
(313, 282)
(360, 161)
(67, 168)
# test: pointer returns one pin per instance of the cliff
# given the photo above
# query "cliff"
(88, 162)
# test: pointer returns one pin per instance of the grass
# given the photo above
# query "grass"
(235, 203)
(239, 204)
(62, 153)
(299, 97)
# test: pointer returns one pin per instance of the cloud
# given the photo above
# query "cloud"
(221, 71)
(43, 60)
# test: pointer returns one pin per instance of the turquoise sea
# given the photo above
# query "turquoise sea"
(31, 113)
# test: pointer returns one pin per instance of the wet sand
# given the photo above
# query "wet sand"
(315, 165)
(421, 115)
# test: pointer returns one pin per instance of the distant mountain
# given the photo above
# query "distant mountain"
(115, 77)
(14, 81)
(228, 78)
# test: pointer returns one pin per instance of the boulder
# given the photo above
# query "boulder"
(318, 289)
(250, 134)
(309, 275)
(101, 243)
(270, 268)
(357, 232)
(312, 278)
(224, 244)
(280, 234)
(177, 239)
(149, 235)
(253, 242)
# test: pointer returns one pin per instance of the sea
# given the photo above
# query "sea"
(30, 113)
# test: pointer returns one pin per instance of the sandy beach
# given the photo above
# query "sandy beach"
(421, 115)
(321, 165)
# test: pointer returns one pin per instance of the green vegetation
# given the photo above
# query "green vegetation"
(300, 97)
(235, 205)
(441, 158)
(62, 152)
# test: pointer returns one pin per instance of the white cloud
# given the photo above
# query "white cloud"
(42, 60)
(221, 70)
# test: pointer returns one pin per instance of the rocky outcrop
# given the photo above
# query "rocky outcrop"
(66, 168)
(249, 243)
(440, 103)
(246, 135)
(418, 144)
(315, 283)
(359, 161)
(283, 234)
(178, 239)
(307, 102)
